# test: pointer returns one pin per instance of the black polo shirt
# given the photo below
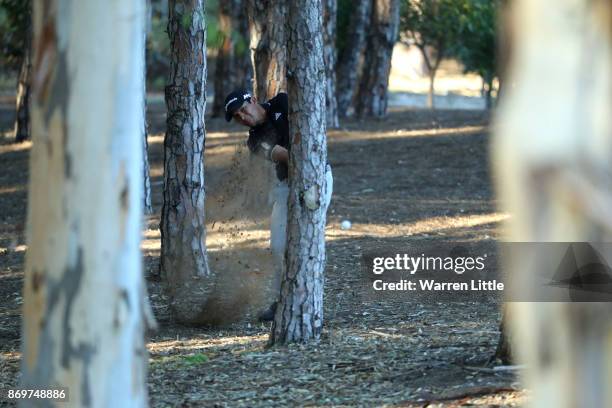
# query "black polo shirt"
(275, 130)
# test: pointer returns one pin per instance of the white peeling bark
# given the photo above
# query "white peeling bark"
(299, 315)
(84, 295)
(552, 156)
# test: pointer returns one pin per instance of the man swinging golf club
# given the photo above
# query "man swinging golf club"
(269, 138)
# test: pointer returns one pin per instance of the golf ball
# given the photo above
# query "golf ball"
(346, 224)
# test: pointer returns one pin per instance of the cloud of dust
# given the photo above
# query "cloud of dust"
(238, 211)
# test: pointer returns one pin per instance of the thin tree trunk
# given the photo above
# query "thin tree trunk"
(330, 9)
(84, 295)
(503, 352)
(432, 90)
(148, 206)
(184, 263)
(299, 315)
(243, 53)
(489, 93)
(226, 71)
(384, 25)
(349, 67)
(22, 119)
(553, 163)
(268, 46)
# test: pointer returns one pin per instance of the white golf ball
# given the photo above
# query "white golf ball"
(346, 224)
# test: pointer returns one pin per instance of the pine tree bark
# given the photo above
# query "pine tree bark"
(372, 96)
(84, 294)
(230, 72)
(349, 61)
(184, 263)
(330, 11)
(552, 162)
(268, 46)
(299, 314)
(22, 119)
(243, 55)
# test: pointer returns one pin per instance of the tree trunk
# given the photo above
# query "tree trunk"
(268, 46)
(184, 263)
(243, 52)
(84, 295)
(299, 315)
(330, 9)
(489, 92)
(503, 352)
(229, 71)
(431, 104)
(22, 119)
(552, 161)
(349, 67)
(384, 25)
(148, 206)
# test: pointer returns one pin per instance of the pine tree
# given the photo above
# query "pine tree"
(299, 315)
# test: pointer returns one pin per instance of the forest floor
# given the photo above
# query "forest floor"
(415, 176)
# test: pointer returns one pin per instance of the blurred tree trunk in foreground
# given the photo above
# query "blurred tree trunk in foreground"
(384, 26)
(84, 294)
(349, 61)
(22, 119)
(184, 262)
(299, 315)
(553, 161)
(230, 71)
(330, 10)
(268, 46)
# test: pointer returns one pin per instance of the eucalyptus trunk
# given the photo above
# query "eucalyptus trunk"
(84, 293)
(553, 160)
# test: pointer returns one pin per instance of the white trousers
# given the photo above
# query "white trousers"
(278, 224)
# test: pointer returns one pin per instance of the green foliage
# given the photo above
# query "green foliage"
(15, 18)
(432, 23)
(476, 47)
(195, 359)
(465, 29)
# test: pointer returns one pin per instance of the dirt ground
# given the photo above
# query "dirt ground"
(412, 177)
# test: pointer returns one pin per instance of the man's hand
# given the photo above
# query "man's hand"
(279, 154)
